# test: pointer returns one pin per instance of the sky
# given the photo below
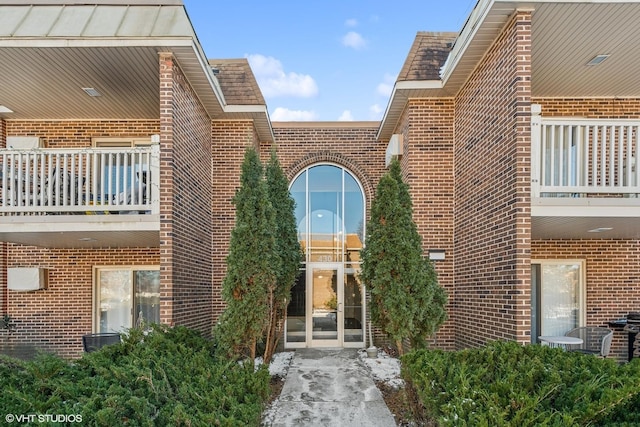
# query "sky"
(322, 60)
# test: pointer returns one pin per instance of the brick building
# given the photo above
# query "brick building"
(123, 144)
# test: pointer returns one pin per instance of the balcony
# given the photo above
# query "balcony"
(585, 182)
(80, 198)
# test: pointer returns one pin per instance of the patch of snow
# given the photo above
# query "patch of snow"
(384, 368)
(279, 365)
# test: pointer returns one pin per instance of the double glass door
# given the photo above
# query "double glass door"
(326, 308)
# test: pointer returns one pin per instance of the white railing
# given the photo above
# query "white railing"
(79, 181)
(583, 157)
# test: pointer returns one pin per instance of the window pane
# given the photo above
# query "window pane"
(353, 331)
(559, 298)
(296, 310)
(114, 300)
(325, 199)
(325, 304)
(298, 192)
(353, 218)
(147, 297)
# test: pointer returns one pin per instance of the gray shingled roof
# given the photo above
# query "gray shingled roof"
(427, 55)
(237, 81)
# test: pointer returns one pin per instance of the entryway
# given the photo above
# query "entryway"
(327, 307)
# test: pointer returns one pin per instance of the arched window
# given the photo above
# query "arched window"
(330, 210)
(327, 306)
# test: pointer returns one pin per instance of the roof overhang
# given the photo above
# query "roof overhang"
(565, 36)
(257, 113)
(51, 51)
(585, 218)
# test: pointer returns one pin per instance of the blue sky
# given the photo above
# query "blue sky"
(322, 60)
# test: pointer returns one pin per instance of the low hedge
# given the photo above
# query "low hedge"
(507, 384)
(167, 377)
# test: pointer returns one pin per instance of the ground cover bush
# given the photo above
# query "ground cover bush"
(169, 377)
(507, 384)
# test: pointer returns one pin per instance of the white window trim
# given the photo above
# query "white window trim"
(95, 294)
(120, 142)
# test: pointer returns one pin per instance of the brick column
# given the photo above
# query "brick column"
(166, 187)
(4, 294)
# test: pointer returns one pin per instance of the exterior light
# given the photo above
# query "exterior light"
(436, 254)
(600, 229)
(91, 91)
(598, 59)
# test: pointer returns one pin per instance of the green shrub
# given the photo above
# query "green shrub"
(168, 377)
(506, 384)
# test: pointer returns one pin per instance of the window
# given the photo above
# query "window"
(330, 214)
(124, 171)
(557, 297)
(126, 297)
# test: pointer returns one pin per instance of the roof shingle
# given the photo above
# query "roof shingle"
(237, 81)
(427, 55)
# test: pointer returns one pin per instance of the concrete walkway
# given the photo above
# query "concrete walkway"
(330, 388)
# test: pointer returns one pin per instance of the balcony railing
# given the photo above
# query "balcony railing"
(88, 181)
(584, 158)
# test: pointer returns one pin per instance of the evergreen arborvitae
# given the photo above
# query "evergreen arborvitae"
(251, 263)
(406, 299)
(287, 248)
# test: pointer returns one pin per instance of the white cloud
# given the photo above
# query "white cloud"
(351, 22)
(354, 40)
(375, 112)
(386, 87)
(346, 116)
(274, 82)
(281, 114)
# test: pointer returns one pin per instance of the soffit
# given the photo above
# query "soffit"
(565, 36)
(50, 52)
(577, 227)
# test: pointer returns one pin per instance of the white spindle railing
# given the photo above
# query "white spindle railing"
(583, 156)
(79, 181)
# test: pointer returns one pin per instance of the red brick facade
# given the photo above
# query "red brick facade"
(231, 138)
(54, 319)
(185, 203)
(466, 159)
(428, 168)
(492, 193)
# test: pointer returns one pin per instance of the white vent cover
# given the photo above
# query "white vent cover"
(394, 149)
(27, 279)
(24, 142)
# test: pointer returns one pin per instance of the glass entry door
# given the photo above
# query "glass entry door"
(325, 308)
(335, 306)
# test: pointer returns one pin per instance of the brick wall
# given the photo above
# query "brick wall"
(3, 246)
(612, 266)
(427, 165)
(185, 196)
(492, 200)
(612, 278)
(78, 134)
(55, 319)
(230, 140)
(598, 108)
(349, 144)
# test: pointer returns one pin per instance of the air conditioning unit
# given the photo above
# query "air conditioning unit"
(25, 279)
(394, 149)
(24, 142)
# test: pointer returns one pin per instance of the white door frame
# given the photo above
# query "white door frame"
(339, 314)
